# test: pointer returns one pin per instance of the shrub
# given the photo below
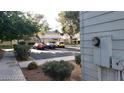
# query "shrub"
(5, 46)
(31, 43)
(32, 65)
(78, 59)
(58, 70)
(22, 43)
(22, 51)
(14, 46)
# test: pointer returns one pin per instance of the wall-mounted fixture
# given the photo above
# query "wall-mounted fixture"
(102, 51)
(96, 41)
(103, 57)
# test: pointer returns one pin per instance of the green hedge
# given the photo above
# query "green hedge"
(31, 43)
(22, 42)
(32, 65)
(58, 70)
(6, 46)
(22, 51)
(78, 59)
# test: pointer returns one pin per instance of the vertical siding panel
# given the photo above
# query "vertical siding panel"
(114, 28)
(81, 43)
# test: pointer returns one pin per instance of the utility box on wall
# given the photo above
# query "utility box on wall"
(102, 54)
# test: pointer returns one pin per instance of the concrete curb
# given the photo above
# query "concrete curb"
(76, 48)
(24, 64)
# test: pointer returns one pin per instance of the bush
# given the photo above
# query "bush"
(31, 43)
(14, 46)
(22, 51)
(58, 70)
(5, 46)
(32, 65)
(78, 59)
(22, 43)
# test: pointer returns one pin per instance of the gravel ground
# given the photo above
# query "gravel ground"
(38, 75)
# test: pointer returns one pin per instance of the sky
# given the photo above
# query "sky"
(51, 17)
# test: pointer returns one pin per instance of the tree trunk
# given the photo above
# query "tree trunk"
(38, 38)
(71, 39)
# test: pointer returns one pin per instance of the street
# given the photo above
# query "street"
(58, 52)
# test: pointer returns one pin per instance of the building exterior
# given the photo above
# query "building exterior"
(76, 38)
(50, 36)
(66, 38)
(53, 36)
(102, 45)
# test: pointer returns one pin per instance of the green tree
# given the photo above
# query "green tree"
(70, 22)
(41, 23)
(16, 25)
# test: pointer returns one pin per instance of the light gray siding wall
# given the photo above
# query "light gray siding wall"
(100, 23)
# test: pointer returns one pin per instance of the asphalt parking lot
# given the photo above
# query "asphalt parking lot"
(58, 52)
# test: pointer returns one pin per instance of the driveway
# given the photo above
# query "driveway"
(59, 52)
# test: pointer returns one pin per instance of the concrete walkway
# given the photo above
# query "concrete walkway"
(77, 47)
(9, 68)
(42, 61)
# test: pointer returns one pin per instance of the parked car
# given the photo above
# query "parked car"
(39, 46)
(50, 45)
(60, 44)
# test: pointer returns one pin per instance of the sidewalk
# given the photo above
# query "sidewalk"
(41, 61)
(71, 47)
(77, 47)
(9, 68)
